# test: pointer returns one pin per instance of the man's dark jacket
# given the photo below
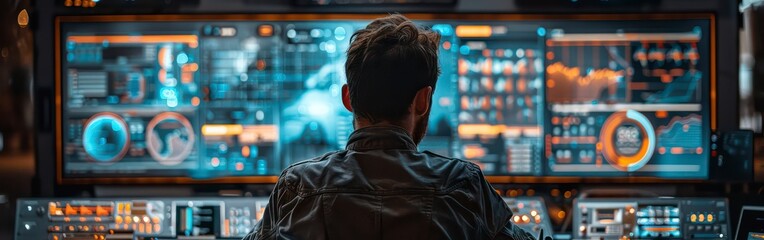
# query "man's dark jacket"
(382, 187)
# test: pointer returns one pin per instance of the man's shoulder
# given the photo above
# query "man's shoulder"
(454, 170)
(458, 164)
(304, 169)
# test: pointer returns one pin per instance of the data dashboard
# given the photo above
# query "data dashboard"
(215, 98)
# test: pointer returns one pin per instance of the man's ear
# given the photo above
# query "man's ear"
(346, 98)
(421, 104)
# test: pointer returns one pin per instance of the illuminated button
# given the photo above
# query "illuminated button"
(54, 228)
(70, 228)
(84, 228)
(120, 208)
(155, 219)
(146, 219)
(127, 208)
(534, 213)
(526, 219)
(701, 218)
(128, 220)
(149, 228)
(100, 228)
(157, 228)
(710, 217)
(118, 219)
(141, 228)
(516, 219)
(693, 218)
(136, 219)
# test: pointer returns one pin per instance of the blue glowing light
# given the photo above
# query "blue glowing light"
(340, 33)
(182, 58)
(541, 31)
(443, 29)
(105, 138)
(464, 50)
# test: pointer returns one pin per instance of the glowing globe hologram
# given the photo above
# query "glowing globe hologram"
(170, 138)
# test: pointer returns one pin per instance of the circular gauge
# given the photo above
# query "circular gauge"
(105, 138)
(170, 138)
(628, 140)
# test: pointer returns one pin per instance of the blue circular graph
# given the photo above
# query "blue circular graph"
(105, 138)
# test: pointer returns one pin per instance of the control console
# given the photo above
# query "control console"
(530, 214)
(665, 218)
(154, 218)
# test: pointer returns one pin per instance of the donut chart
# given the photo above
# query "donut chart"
(105, 138)
(170, 138)
(627, 140)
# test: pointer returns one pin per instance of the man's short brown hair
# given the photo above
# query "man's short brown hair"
(387, 63)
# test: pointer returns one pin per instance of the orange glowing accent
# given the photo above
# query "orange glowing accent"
(239, 166)
(662, 150)
(103, 211)
(82, 219)
(226, 227)
(677, 150)
(579, 140)
(666, 78)
(473, 151)
(521, 85)
(555, 120)
(195, 101)
(245, 151)
(259, 133)
(85, 211)
(69, 210)
(473, 31)
(486, 53)
(447, 45)
(222, 129)
(260, 64)
(127, 208)
(191, 40)
(660, 229)
(609, 129)
(661, 114)
(265, 30)
(162, 75)
(561, 214)
(215, 162)
(699, 150)
(550, 84)
(500, 52)
(190, 67)
(588, 87)
(163, 56)
(638, 86)
(463, 67)
(549, 55)
(487, 67)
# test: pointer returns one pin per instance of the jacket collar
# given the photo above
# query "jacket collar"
(380, 137)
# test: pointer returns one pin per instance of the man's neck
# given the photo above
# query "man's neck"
(359, 123)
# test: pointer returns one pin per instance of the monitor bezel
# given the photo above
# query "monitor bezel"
(497, 179)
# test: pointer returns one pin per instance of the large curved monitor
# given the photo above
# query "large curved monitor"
(237, 98)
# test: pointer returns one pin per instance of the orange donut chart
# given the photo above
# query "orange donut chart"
(610, 150)
(178, 150)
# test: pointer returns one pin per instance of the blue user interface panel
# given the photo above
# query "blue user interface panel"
(213, 99)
